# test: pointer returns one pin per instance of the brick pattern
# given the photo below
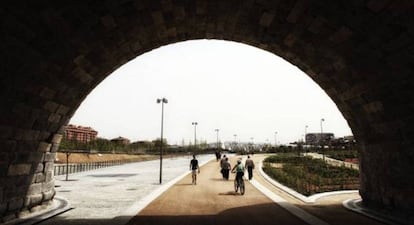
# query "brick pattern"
(55, 53)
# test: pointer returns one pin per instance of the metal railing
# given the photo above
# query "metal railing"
(62, 169)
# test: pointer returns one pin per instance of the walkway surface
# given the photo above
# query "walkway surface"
(111, 196)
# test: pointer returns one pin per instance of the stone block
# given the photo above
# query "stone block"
(35, 189)
(341, 35)
(297, 11)
(19, 169)
(50, 106)
(3, 169)
(26, 202)
(40, 177)
(54, 118)
(6, 132)
(57, 138)
(15, 204)
(27, 146)
(3, 208)
(36, 157)
(266, 19)
(43, 135)
(35, 199)
(81, 75)
(55, 148)
(11, 182)
(23, 213)
(28, 135)
(47, 186)
(7, 145)
(49, 166)
(48, 195)
(44, 147)
(49, 176)
(49, 157)
(62, 110)
(47, 93)
(39, 168)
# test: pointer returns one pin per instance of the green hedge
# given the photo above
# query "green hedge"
(309, 176)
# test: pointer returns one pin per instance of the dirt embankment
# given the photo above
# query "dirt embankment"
(98, 157)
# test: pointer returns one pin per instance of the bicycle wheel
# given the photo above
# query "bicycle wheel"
(236, 185)
(242, 189)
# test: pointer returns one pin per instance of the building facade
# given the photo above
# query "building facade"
(318, 138)
(80, 133)
(121, 140)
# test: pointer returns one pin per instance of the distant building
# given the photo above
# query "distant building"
(79, 133)
(318, 138)
(121, 140)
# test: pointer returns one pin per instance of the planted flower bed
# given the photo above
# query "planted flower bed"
(309, 176)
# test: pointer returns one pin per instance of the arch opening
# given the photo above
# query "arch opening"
(359, 53)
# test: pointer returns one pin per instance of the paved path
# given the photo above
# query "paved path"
(213, 201)
(115, 195)
(110, 195)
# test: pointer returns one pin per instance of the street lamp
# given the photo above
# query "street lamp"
(306, 132)
(162, 101)
(195, 133)
(235, 142)
(275, 139)
(323, 149)
(217, 130)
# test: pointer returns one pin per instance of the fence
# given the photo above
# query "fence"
(60, 169)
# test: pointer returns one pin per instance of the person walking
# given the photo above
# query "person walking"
(194, 167)
(226, 169)
(250, 166)
(222, 162)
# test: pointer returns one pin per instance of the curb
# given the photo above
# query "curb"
(356, 206)
(58, 206)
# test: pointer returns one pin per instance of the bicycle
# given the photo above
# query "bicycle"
(239, 183)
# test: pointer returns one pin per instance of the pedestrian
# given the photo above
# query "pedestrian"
(222, 161)
(226, 169)
(218, 155)
(194, 167)
(250, 166)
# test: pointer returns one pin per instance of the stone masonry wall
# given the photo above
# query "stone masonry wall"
(53, 53)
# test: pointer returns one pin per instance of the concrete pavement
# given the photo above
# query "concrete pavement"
(114, 195)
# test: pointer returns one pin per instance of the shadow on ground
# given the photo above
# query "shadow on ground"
(257, 214)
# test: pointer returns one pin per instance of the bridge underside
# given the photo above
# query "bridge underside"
(54, 53)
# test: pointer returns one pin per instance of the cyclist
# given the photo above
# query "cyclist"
(239, 169)
(194, 167)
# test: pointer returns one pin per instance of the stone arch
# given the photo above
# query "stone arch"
(54, 53)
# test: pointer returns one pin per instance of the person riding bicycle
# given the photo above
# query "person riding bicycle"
(239, 168)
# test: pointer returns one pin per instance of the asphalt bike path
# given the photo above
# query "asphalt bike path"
(214, 201)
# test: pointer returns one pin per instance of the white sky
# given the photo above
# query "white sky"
(234, 87)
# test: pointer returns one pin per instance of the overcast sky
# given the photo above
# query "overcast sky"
(223, 85)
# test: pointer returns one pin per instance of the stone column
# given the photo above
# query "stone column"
(27, 182)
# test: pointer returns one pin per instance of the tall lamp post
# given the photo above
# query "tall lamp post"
(275, 139)
(217, 130)
(306, 132)
(162, 101)
(321, 141)
(235, 142)
(195, 133)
